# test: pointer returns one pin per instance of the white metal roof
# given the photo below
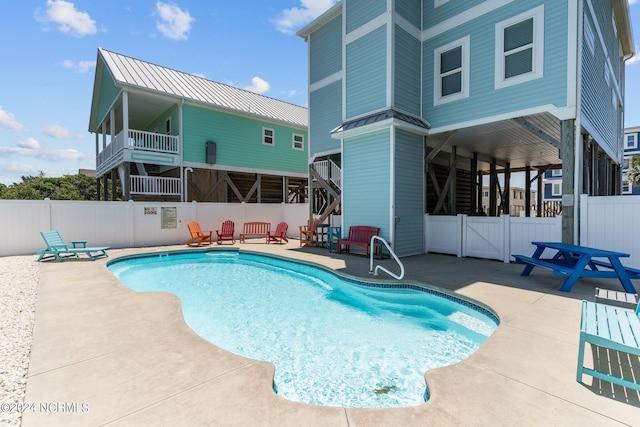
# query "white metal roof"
(136, 73)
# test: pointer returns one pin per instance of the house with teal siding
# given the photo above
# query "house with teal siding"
(168, 135)
(412, 103)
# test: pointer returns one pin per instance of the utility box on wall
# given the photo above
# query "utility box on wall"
(211, 152)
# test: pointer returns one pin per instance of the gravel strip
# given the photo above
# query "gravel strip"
(19, 277)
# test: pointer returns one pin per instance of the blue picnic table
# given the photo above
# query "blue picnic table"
(574, 262)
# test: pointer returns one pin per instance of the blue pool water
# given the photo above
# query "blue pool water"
(334, 342)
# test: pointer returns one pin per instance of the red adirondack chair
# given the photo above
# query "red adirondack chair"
(280, 234)
(226, 232)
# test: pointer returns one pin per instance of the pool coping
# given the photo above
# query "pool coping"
(134, 361)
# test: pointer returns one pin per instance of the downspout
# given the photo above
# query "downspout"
(183, 175)
(577, 177)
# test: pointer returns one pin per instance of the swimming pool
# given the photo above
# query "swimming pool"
(334, 340)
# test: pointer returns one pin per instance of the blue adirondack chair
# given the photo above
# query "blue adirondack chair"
(58, 249)
(611, 328)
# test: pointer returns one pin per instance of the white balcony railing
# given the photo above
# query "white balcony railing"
(138, 140)
(154, 185)
(329, 171)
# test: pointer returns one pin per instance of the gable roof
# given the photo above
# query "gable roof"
(132, 73)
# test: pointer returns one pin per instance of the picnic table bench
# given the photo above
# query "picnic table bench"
(612, 328)
(359, 235)
(255, 229)
(575, 261)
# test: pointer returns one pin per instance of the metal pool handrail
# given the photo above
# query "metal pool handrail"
(393, 254)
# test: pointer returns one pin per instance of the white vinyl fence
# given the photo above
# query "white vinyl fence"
(605, 222)
(128, 224)
(488, 237)
(612, 223)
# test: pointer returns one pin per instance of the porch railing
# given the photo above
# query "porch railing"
(139, 140)
(155, 185)
(329, 171)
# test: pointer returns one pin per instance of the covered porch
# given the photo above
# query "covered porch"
(459, 161)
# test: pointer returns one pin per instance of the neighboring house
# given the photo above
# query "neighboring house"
(517, 202)
(552, 183)
(414, 101)
(631, 148)
(168, 135)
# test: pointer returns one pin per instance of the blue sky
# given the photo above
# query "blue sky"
(49, 51)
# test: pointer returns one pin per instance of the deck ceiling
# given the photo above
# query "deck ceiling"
(144, 108)
(532, 141)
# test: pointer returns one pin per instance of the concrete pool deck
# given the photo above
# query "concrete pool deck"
(105, 355)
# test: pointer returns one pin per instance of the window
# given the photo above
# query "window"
(167, 126)
(485, 194)
(631, 141)
(520, 48)
(590, 37)
(451, 71)
(556, 172)
(268, 136)
(626, 162)
(297, 142)
(556, 189)
(626, 187)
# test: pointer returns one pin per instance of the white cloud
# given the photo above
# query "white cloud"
(174, 22)
(291, 19)
(258, 85)
(30, 147)
(29, 143)
(57, 131)
(632, 2)
(8, 121)
(80, 66)
(68, 19)
(65, 154)
(635, 58)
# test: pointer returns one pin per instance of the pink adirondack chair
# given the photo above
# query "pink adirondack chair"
(280, 234)
(226, 232)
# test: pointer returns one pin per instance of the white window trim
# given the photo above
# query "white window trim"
(167, 124)
(438, 99)
(590, 37)
(556, 172)
(438, 3)
(557, 185)
(629, 189)
(626, 162)
(273, 137)
(634, 144)
(538, 48)
(293, 141)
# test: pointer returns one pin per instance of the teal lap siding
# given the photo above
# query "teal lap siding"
(409, 194)
(366, 180)
(407, 72)
(360, 12)
(325, 114)
(325, 50)
(239, 141)
(366, 73)
(484, 99)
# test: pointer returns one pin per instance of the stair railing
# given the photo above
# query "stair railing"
(379, 267)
